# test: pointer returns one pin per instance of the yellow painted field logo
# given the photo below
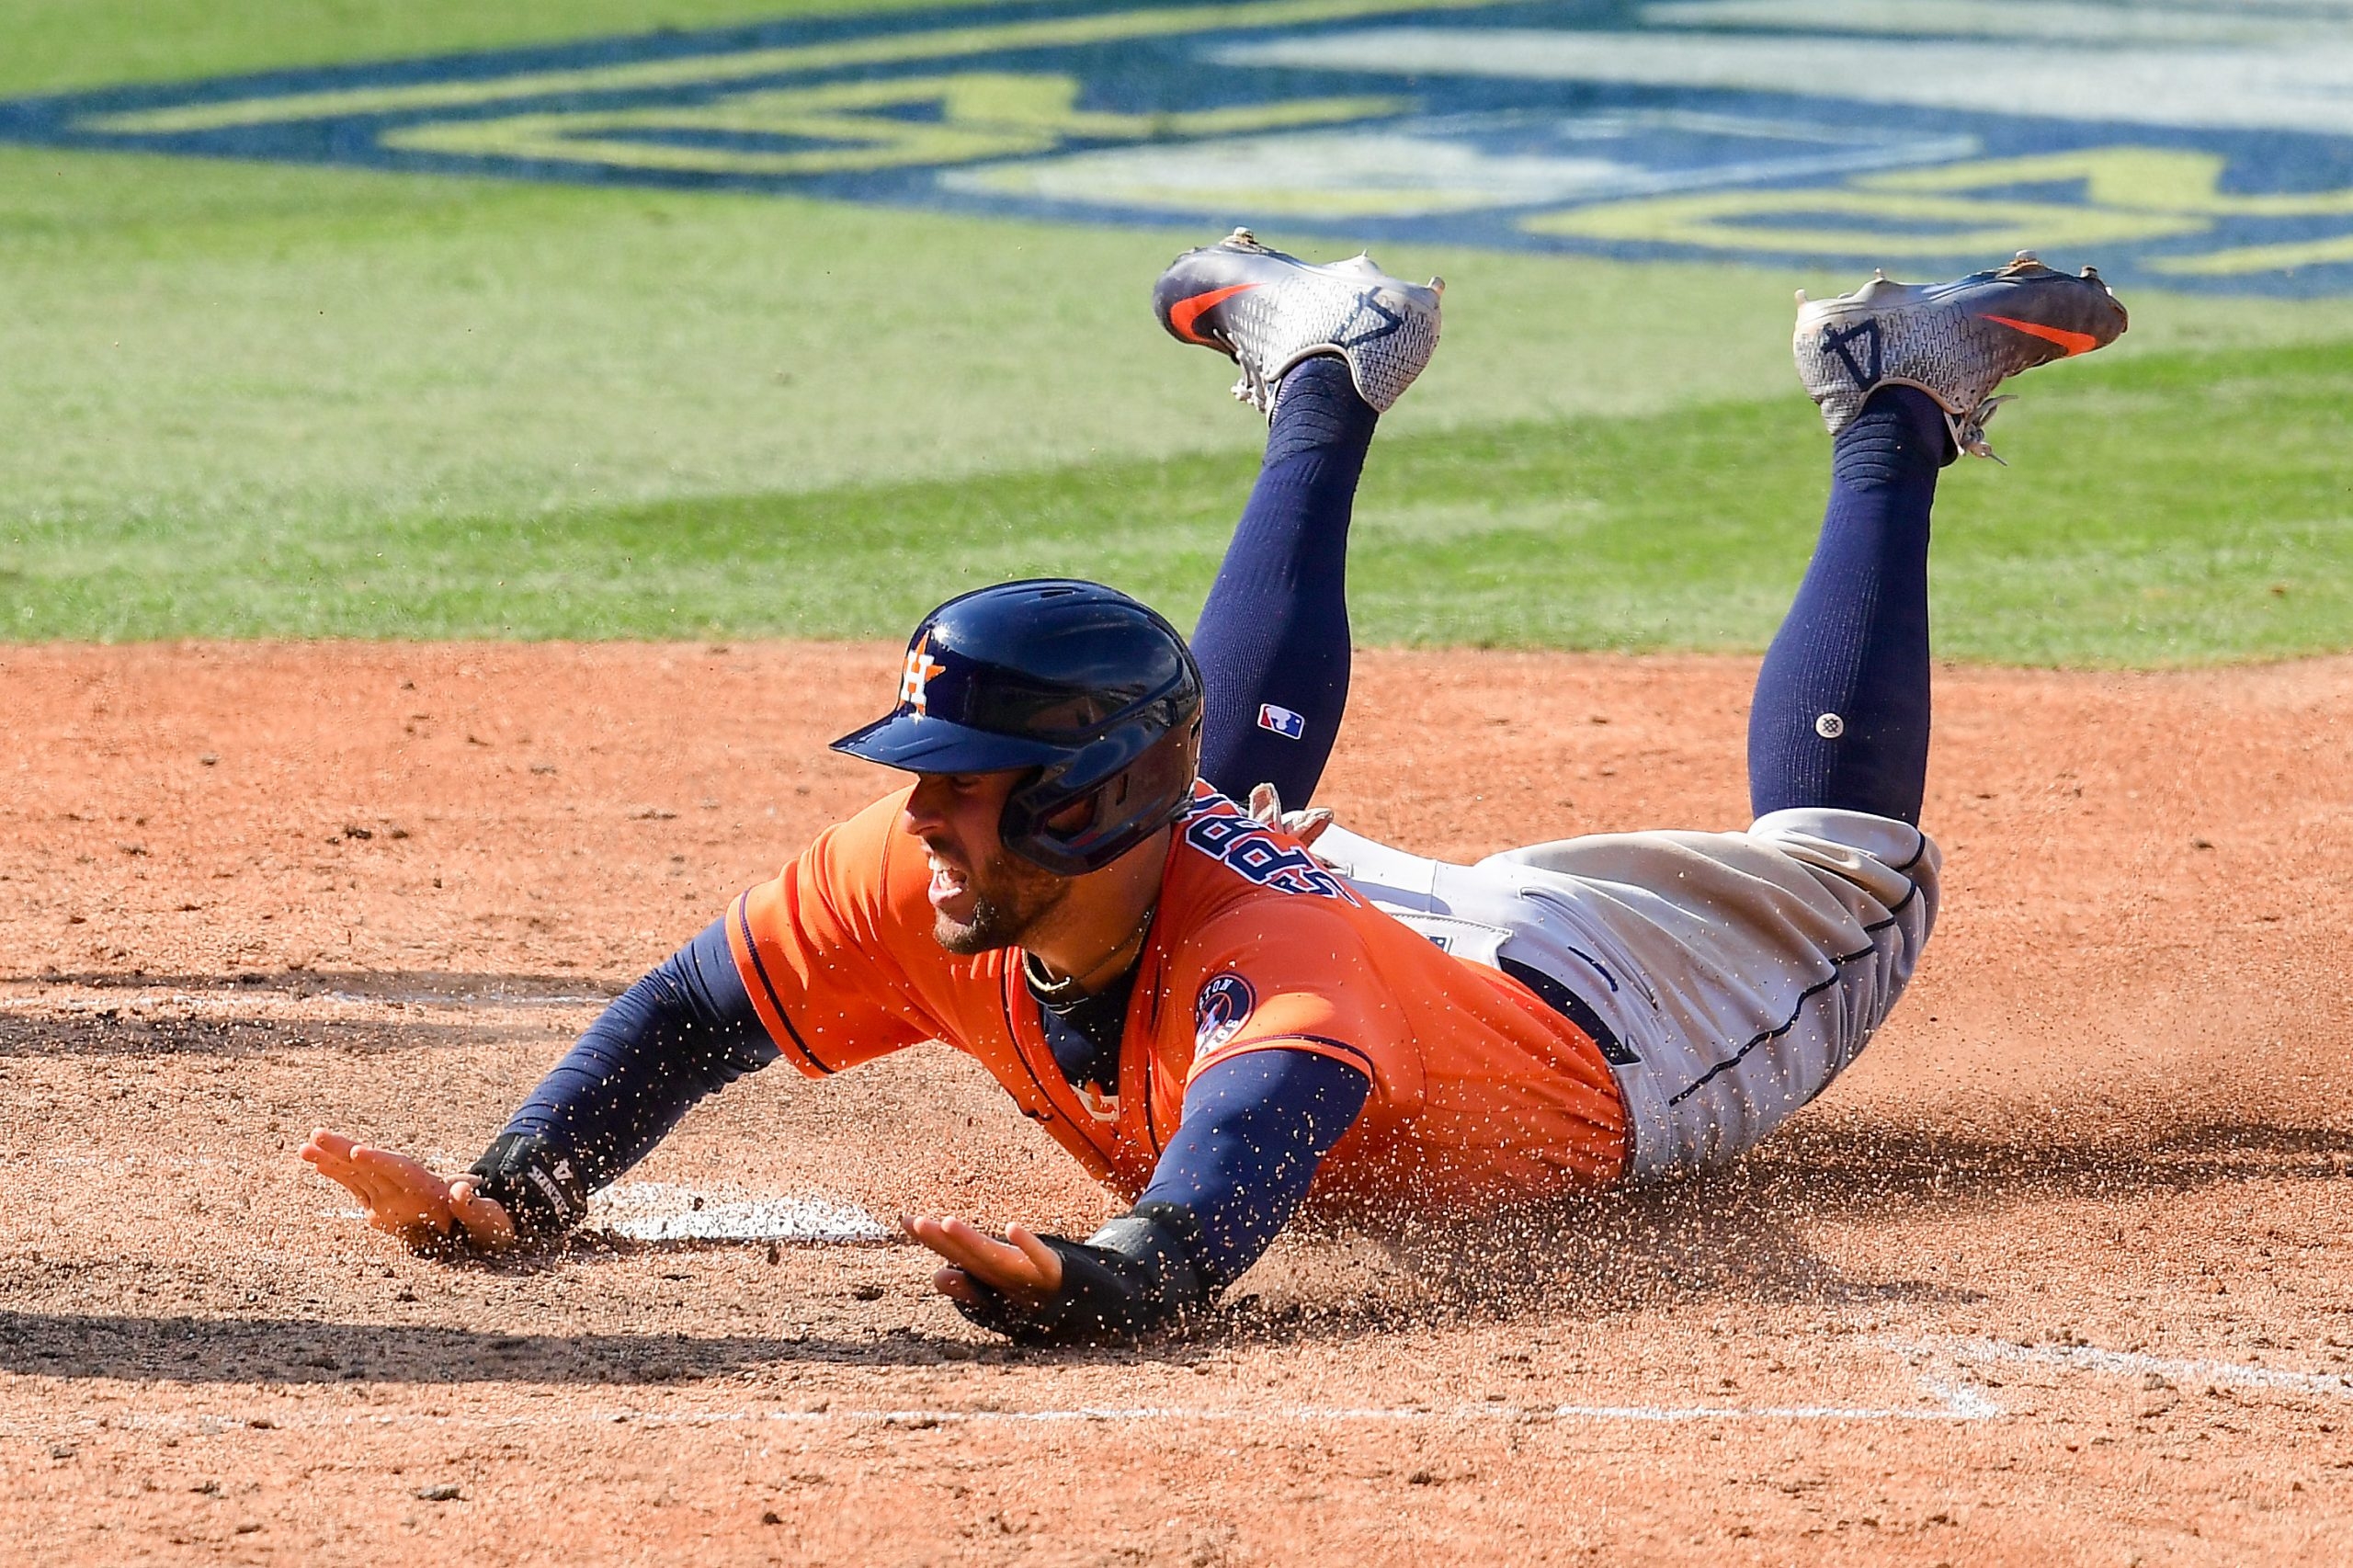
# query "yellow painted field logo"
(2202, 148)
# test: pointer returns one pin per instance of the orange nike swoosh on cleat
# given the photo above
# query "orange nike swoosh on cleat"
(1184, 313)
(2075, 343)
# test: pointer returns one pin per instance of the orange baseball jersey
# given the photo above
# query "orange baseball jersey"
(1482, 1095)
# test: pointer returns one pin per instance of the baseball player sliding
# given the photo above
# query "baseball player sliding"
(1227, 1030)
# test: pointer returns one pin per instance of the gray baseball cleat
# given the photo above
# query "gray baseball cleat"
(1269, 311)
(1955, 341)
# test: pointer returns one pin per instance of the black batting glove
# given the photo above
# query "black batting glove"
(534, 1181)
(1134, 1277)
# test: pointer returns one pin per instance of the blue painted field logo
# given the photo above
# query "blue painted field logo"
(2199, 146)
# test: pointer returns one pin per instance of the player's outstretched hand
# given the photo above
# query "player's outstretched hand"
(400, 1196)
(1021, 1268)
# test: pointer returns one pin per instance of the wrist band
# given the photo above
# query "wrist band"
(534, 1181)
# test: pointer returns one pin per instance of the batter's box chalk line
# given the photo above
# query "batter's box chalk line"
(2129, 1363)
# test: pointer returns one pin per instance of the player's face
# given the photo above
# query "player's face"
(982, 897)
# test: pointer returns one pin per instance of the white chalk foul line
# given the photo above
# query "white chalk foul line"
(443, 999)
(1954, 1403)
(275, 1004)
(2128, 1363)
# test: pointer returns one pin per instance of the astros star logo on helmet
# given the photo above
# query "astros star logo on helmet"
(921, 667)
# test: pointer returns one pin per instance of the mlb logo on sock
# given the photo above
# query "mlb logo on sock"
(1282, 721)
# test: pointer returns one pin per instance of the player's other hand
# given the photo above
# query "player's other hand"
(400, 1196)
(1307, 825)
(1021, 1268)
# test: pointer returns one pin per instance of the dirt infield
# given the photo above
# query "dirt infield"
(2062, 1272)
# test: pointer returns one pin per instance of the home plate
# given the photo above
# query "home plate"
(657, 1211)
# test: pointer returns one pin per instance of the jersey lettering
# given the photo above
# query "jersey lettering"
(1220, 830)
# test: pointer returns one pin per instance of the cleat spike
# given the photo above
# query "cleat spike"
(2026, 256)
(1801, 296)
(1969, 432)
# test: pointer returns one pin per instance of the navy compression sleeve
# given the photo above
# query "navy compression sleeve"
(684, 1030)
(1255, 1127)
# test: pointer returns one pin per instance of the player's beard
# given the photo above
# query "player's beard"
(1010, 896)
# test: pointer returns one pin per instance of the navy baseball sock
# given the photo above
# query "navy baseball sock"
(1841, 714)
(1273, 638)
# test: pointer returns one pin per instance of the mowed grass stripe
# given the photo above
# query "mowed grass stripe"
(2173, 508)
(59, 44)
(322, 349)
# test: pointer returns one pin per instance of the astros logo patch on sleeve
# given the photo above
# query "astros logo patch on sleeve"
(1221, 1010)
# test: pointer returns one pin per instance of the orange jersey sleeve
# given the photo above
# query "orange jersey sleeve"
(1295, 973)
(1482, 1095)
(819, 947)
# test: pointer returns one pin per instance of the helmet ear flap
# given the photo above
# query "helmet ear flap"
(1132, 792)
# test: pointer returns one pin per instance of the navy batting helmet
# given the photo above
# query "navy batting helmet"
(1092, 691)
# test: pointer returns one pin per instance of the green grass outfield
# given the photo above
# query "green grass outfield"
(247, 400)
